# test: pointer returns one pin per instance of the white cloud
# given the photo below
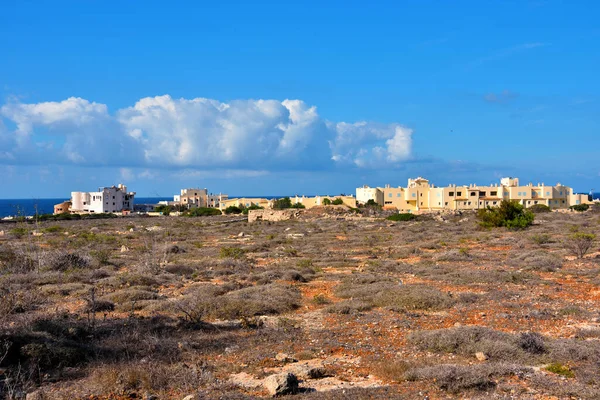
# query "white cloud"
(192, 134)
(369, 144)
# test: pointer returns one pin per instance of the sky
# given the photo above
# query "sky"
(282, 98)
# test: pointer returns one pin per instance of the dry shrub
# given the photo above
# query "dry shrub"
(14, 260)
(130, 295)
(413, 297)
(154, 377)
(238, 304)
(457, 378)
(64, 261)
(349, 307)
(536, 260)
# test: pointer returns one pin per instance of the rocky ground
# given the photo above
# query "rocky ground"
(330, 305)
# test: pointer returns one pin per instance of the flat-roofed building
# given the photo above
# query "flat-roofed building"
(419, 195)
(315, 201)
(106, 200)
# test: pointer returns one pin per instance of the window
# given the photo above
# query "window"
(421, 203)
(480, 203)
(113, 204)
(481, 194)
(421, 194)
(450, 194)
(414, 195)
(494, 193)
(84, 203)
(473, 193)
(506, 193)
(560, 192)
(459, 194)
(113, 197)
(576, 201)
(547, 193)
(390, 195)
(398, 195)
(494, 203)
(439, 194)
(469, 203)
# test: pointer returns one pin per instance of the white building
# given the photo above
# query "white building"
(105, 200)
(366, 193)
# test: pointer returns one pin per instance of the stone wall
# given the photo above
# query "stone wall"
(273, 215)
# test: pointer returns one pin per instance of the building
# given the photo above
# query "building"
(106, 200)
(195, 197)
(310, 202)
(246, 202)
(420, 195)
(62, 208)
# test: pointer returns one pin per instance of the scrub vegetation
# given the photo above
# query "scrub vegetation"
(357, 306)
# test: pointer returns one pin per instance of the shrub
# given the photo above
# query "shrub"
(401, 217)
(559, 369)
(232, 252)
(509, 214)
(202, 212)
(233, 210)
(252, 207)
(63, 261)
(244, 303)
(542, 238)
(298, 205)
(456, 378)
(579, 243)
(337, 202)
(326, 202)
(413, 297)
(19, 232)
(280, 204)
(539, 208)
(580, 207)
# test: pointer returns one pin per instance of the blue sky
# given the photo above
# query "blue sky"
(270, 97)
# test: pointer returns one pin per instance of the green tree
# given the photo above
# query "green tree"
(298, 205)
(326, 201)
(283, 203)
(337, 202)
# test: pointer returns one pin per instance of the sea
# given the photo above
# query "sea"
(29, 207)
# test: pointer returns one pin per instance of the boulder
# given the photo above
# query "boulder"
(281, 384)
(285, 358)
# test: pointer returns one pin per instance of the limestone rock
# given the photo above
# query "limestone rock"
(285, 358)
(481, 356)
(124, 249)
(281, 384)
(241, 234)
(37, 395)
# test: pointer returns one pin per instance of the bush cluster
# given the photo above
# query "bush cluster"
(509, 214)
(401, 217)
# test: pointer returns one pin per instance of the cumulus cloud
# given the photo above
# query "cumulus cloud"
(369, 144)
(199, 133)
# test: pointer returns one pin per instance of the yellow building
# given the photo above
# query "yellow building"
(310, 202)
(419, 195)
(246, 202)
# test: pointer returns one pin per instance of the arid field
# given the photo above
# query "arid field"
(354, 307)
